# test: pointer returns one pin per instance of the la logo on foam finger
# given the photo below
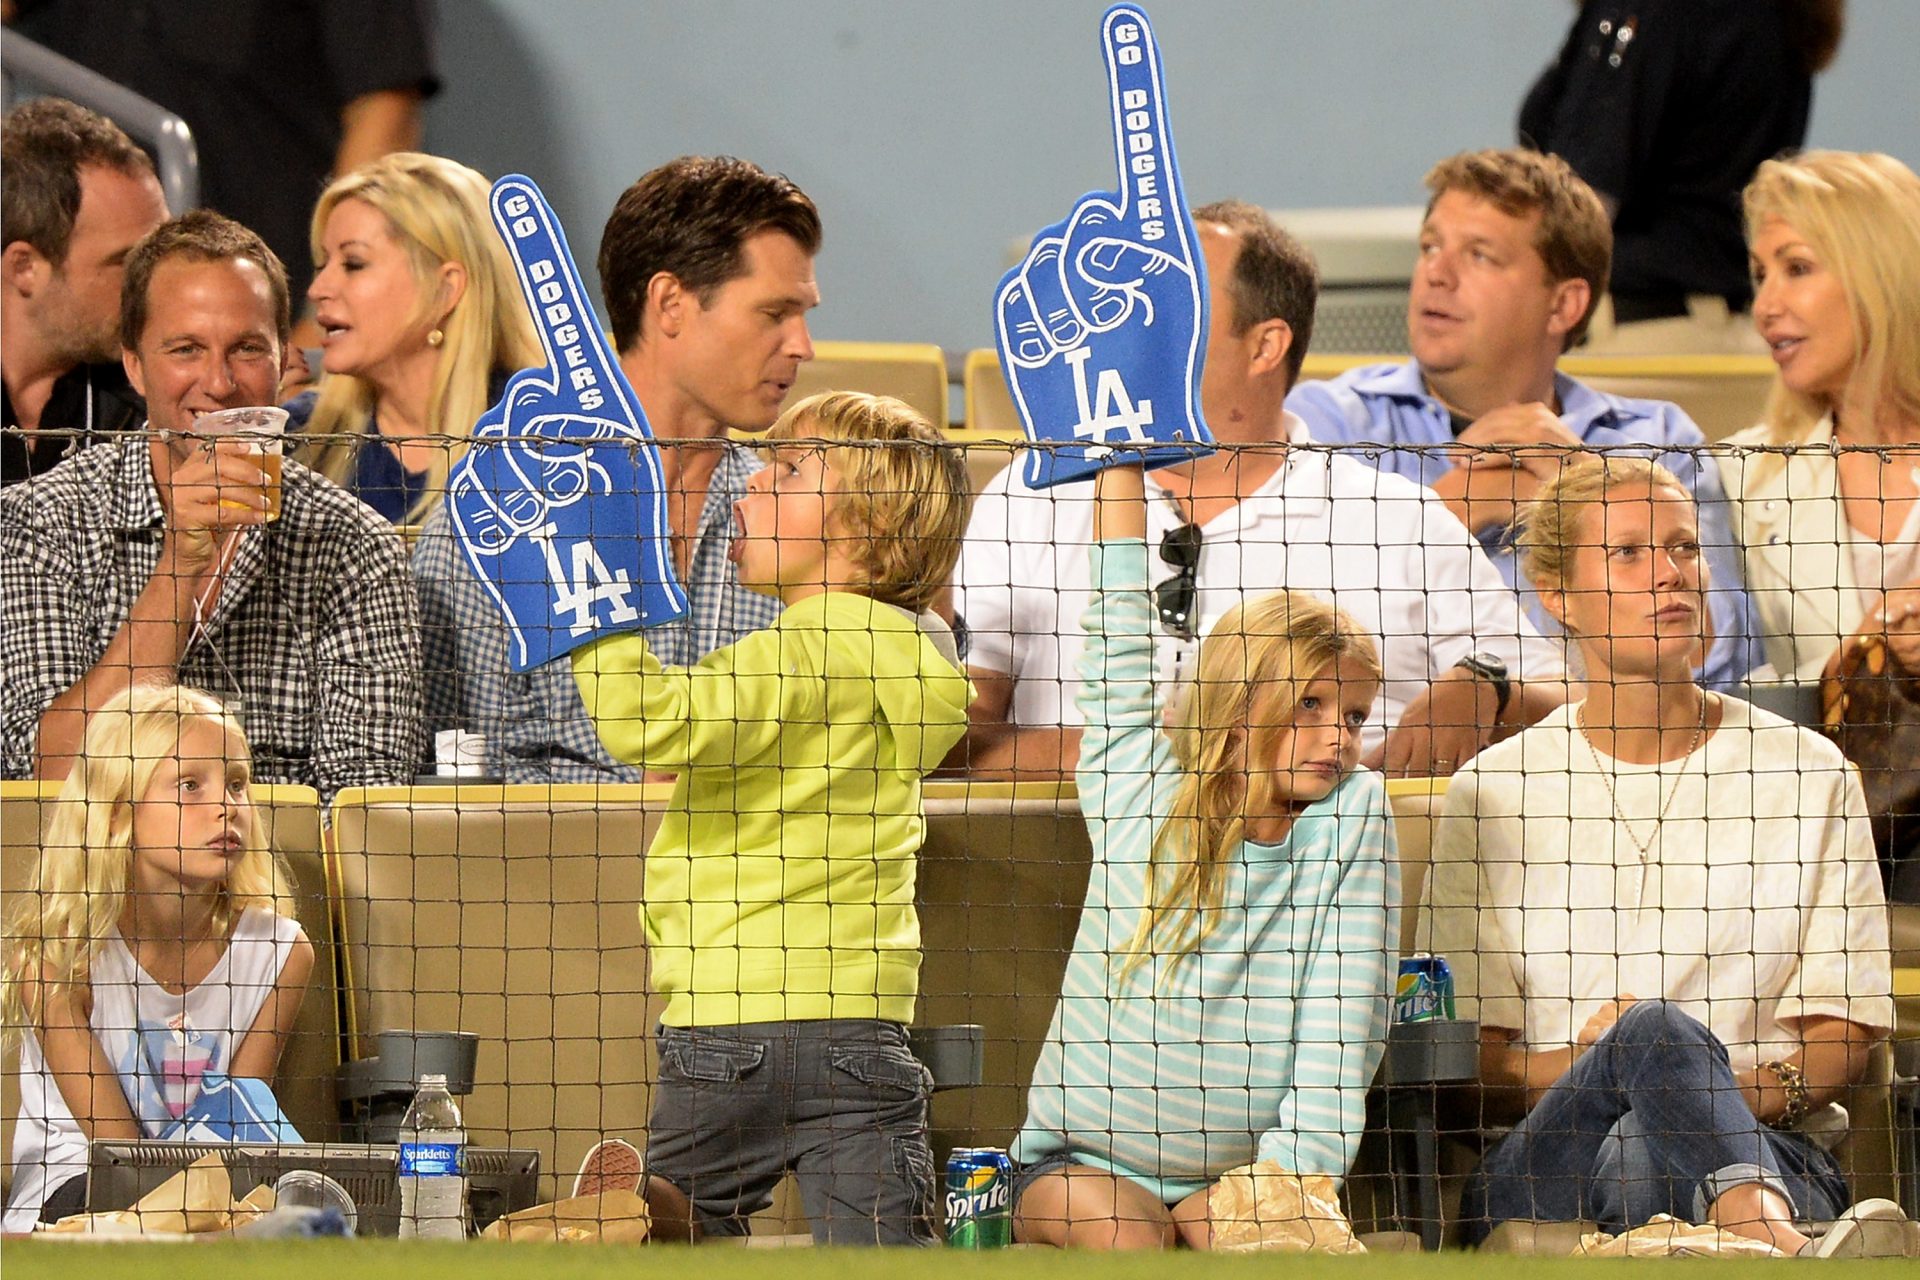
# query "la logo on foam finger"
(558, 503)
(1102, 328)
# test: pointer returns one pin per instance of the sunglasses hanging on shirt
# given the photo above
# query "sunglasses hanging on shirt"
(1178, 597)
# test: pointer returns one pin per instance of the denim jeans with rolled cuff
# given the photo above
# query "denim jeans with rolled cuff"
(841, 1103)
(1649, 1121)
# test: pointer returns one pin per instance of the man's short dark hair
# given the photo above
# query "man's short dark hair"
(1274, 278)
(690, 218)
(44, 144)
(200, 236)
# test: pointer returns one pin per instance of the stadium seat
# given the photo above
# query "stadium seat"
(308, 1064)
(915, 372)
(512, 913)
(1002, 878)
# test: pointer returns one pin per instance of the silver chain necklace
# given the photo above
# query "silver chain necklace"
(1606, 780)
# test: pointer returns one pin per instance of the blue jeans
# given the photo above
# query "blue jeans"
(840, 1102)
(1649, 1121)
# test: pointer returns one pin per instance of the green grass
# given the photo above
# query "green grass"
(376, 1259)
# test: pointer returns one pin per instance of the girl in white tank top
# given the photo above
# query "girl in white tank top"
(154, 947)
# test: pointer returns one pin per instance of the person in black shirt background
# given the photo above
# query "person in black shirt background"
(1666, 108)
(78, 196)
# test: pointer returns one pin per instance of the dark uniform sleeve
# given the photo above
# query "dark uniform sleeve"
(1599, 106)
(373, 45)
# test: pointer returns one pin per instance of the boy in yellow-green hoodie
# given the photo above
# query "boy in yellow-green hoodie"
(779, 891)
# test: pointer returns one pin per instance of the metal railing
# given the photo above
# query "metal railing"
(28, 70)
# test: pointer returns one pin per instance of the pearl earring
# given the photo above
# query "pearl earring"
(435, 337)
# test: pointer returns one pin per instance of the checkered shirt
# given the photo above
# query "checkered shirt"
(536, 727)
(314, 641)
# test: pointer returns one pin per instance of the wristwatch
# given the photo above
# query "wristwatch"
(1494, 672)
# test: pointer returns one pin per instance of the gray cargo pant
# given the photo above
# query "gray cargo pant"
(841, 1103)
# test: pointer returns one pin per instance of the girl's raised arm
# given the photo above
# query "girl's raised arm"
(1120, 504)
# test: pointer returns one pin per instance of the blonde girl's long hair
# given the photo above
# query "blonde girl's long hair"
(438, 212)
(1860, 214)
(59, 923)
(1264, 650)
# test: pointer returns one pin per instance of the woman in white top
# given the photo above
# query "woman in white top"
(152, 952)
(1830, 518)
(1663, 907)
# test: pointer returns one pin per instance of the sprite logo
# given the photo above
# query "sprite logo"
(985, 1193)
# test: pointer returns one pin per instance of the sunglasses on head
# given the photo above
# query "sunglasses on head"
(1178, 597)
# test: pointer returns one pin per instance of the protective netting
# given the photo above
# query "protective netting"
(699, 924)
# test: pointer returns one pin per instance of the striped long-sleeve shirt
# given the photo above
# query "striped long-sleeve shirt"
(1262, 1043)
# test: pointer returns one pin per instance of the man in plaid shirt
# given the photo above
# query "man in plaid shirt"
(155, 560)
(706, 266)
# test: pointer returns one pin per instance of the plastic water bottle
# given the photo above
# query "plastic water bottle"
(433, 1148)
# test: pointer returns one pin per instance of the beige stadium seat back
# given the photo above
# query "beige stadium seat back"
(511, 913)
(1002, 879)
(914, 372)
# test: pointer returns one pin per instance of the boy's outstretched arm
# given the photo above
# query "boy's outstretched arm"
(732, 705)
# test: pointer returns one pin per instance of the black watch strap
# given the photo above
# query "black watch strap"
(1494, 672)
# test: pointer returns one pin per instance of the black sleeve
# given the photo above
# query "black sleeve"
(379, 44)
(1609, 91)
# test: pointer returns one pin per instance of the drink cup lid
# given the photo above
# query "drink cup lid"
(315, 1189)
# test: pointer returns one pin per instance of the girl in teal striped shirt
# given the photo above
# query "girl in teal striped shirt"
(1226, 1001)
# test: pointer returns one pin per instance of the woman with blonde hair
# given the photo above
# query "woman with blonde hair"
(1826, 491)
(1661, 906)
(422, 319)
(154, 952)
(1225, 1006)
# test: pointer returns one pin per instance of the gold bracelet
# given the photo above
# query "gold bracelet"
(1793, 1081)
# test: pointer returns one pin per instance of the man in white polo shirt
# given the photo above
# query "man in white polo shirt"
(1462, 662)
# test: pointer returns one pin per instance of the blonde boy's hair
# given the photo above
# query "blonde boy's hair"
(1267, 648)
(59, 923)
(901, 492)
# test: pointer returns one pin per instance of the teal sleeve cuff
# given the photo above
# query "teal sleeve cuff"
(1119, 563)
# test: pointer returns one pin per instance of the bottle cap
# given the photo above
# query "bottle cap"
(433, 1080)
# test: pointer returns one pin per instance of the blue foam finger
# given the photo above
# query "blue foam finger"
(1102, 329)
(558, 503)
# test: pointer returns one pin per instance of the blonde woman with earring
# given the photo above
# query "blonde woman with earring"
(1826, 490)
(421, 320)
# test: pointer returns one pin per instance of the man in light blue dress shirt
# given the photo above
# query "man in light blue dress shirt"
(1513, 253)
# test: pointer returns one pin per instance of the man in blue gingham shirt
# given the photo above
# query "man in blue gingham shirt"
(706, 266)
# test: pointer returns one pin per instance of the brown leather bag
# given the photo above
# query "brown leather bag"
(1870, 706)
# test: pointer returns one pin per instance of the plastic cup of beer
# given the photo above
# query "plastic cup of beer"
(263, 430)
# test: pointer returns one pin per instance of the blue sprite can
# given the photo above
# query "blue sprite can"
(1425, 990)
(979, 1198)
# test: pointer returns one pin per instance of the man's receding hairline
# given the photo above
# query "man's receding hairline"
(193, 255)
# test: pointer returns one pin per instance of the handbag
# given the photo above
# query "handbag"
(1870, 707)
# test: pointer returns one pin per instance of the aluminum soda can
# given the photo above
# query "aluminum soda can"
(979, 1198)
(1424, 992)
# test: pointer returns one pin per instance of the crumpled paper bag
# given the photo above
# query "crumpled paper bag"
(1267, 1207)
(612, 1217)
(196, 1200)
(1666, 1237)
